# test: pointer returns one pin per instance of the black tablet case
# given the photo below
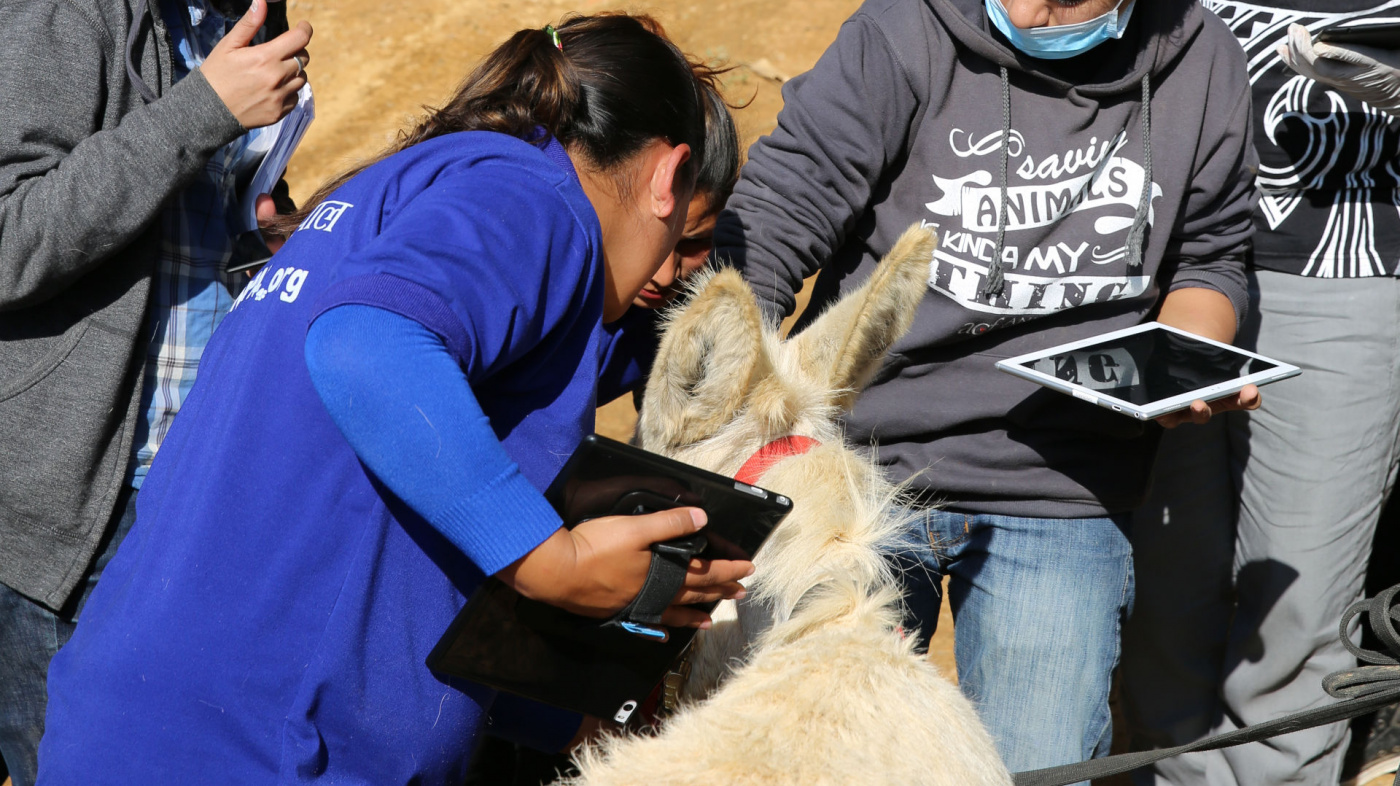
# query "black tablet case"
(544, 653)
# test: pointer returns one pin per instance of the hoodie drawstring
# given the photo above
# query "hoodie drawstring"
(142, 11)
(996, 278)
(1139, 228)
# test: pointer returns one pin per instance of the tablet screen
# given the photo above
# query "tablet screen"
(1150, 366)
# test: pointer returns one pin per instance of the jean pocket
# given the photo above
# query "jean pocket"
(946, 531)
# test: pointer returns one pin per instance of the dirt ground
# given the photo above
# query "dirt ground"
(375, 64)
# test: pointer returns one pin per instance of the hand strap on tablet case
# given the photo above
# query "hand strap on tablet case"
(669, 562)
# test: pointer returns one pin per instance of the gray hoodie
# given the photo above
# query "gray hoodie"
(86, 165)
(901, 122)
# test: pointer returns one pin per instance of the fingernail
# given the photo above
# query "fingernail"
(705, 625)
(698, 517)
(751, 570)
(740, 594)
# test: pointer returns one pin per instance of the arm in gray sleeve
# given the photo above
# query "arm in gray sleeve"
(1210, 242)
(805, 185)
(71, 192)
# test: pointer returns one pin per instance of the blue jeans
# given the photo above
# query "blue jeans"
(30, 634)
(1038, 605)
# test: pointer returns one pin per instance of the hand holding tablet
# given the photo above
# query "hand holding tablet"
(1153, 370)
(595, 568)
(1200, 412)
(559, 652)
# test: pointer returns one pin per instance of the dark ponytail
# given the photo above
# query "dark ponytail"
(613, 85)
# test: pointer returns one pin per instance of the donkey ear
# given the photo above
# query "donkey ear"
(845, 346)
(710, 357)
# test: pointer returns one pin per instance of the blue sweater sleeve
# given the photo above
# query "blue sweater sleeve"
(404, 405)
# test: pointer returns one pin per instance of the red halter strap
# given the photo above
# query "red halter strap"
(771, 454)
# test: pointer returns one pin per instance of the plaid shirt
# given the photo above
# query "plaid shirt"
(190, 293)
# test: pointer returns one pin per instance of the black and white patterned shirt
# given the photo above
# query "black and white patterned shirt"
(1329, 172)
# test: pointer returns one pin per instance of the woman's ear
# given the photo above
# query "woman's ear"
(665, 168)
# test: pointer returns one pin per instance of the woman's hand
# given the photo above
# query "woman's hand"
(258, 84)
(599, 566)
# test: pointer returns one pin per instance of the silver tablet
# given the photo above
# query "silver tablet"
(1148, 370)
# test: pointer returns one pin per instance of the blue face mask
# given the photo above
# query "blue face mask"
(1062, 41)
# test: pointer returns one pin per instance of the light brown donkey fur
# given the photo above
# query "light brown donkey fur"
(810, 680)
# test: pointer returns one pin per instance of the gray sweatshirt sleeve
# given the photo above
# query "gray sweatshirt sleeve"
(72, 193)
(1210, 242)
(806, 184)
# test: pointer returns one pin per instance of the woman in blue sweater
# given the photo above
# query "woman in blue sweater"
(372, 428)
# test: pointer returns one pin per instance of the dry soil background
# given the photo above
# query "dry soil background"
(375, 64)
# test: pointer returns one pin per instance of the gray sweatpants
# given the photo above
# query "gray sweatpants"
(1310, 472)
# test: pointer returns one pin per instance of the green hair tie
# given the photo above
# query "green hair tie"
(554, 36)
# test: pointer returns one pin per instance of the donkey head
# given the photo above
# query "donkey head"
(724, 386)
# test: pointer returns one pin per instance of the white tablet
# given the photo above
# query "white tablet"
(1148, 370)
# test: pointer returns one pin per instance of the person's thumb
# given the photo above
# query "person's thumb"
(1250, 398)
(668, 524)
(264, 208)
(242, 33)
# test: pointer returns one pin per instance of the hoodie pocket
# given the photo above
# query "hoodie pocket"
(46, 363)
(62, 428)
